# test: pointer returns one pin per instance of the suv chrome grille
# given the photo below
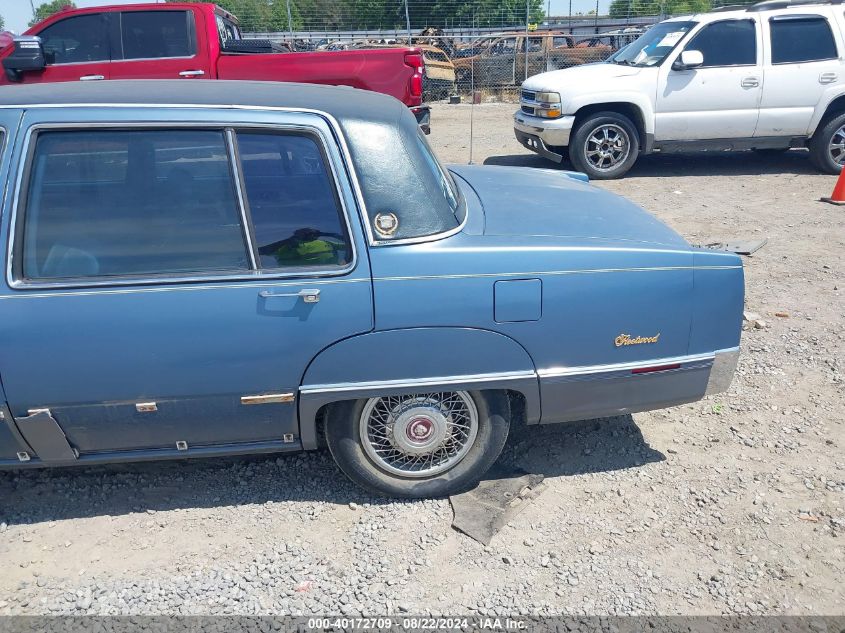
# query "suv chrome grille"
(527, 95)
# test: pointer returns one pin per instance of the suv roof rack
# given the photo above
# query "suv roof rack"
(729, 7)
(766, 5)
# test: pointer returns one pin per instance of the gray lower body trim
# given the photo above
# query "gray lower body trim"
(313, 397)
(159, 454)
(722, 372)
(582, 393)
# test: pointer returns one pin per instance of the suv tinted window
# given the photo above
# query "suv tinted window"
(296, 215)
(801, 39)
(151, 34)
(78, 39)
(728, 43)
(108, 203)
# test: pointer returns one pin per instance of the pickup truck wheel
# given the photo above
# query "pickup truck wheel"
(827, 147)
(420, 445)
(605, 145)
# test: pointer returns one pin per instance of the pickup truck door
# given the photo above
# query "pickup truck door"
(719, 99)
(802, 63)
(160, 44)
(140, 312)
(77, 48)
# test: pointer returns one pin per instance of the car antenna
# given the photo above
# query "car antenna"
(472, 111)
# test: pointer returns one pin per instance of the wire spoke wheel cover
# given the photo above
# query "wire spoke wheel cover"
(607, 146)
(419, 435)
(836, 146)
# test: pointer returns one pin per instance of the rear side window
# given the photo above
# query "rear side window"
(296, 216)
(155, 34)
(75, 40)
(801, 39)
(132, 203)
(728, 43)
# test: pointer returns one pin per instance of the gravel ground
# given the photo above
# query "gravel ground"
(731, 505)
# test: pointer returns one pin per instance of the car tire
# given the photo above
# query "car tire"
(617, 155)
(376, 463)
(820, 145)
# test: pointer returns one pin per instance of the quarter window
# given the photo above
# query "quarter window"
(152, 34)
(296, 216)
(801, 39)
(728, 43)
(117, 203)
(76, 40)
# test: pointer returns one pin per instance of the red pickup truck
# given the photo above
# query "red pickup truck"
(194, 41)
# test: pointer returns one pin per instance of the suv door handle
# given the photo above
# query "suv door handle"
(192, 73)
(827, 78)
(307, 296)
(750, 82)
(92, 78)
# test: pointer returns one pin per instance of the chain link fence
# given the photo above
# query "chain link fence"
(478, 49)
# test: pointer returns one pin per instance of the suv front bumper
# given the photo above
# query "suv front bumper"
(540, 135)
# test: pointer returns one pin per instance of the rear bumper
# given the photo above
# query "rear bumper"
(423, 115)
(583, 393)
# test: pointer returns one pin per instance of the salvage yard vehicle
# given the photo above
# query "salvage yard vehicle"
(223, 268)
(767, 77)
(501, 61)
(195, 41)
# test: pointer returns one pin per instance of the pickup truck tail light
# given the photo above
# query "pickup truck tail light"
(415, 61)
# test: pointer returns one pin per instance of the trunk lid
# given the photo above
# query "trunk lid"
(545, 202)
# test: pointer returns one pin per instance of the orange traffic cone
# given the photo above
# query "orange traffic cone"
(838, 195)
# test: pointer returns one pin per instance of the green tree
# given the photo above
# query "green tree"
(47, 9)
(639, 8)
(2, 23)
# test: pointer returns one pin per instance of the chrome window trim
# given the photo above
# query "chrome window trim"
(416, 382)
(255, 275)
(245, 283)
(239, 192)
(330, 120)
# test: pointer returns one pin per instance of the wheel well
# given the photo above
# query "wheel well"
(628, 109)
(515, 398)
(834, 109)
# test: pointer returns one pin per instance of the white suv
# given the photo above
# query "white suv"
(767, 77)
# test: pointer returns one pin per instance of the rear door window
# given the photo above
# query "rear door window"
(130, 203)
(157, 34)
(75, 40)
(292, 198)
(801, 38)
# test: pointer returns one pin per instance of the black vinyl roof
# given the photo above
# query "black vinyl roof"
(339, 101)
(395, 170)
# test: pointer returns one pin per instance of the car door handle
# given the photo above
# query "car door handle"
(307, 296)
(192, 73)
(827, 78)
(750, 82)
(92, 78)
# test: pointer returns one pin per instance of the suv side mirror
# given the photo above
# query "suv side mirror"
(687, 60)
(27, 55)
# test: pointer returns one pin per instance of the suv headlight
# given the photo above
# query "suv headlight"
(548, 105)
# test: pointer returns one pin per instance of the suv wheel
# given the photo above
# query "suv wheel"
(605, 145)
(827, 147)
(419, 445)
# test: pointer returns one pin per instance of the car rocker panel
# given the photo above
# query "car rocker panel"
(404, 312)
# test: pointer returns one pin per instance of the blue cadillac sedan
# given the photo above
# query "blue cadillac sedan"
(218, 268)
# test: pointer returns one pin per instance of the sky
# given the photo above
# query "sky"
(18, 13)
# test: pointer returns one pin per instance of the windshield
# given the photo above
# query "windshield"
(652, 47)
